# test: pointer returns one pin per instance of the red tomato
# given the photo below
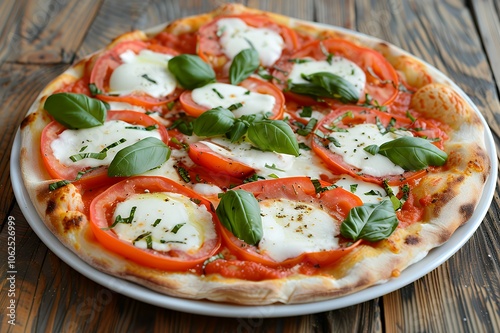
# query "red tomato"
(183, 43)
(336, 202)
(255, 85)
(102, 209)
(105, 64)
(98, 176)
(210, 50)
(381, 77)
(245, 270)
(202, 155)
(362, 115)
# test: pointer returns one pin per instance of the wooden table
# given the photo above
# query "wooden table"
(40, 39)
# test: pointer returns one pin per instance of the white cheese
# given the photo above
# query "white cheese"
(236, 35)
(291, 228)
(367, 192)
(173, 221)
(145, 72)
(221, 94)
(339, 66)
(360, 136)
(93, 140)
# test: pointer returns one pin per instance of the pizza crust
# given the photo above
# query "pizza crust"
(453, 194)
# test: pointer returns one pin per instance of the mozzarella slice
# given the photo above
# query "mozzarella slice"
(291, 228)
(367, 192)
(172, 220)
(145, 72)
(338, 65)
(93, 140)
(235, 36)
(352, 142)
(221, 94)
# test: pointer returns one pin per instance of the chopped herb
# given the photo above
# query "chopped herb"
(126, 220)
(353, 188)
(211, 259)
(83, 148)
(235, 106)
(176, 228)
(273, 167)
(298, 60)
(145, 76)
(306, 112)
(147, 128)
(302, 145)
(218, 93)
(247, 92)
(372, 149)
(406, 193)
(184, 174)
(408, 115)
(170, 105)
(196, 201)
(308, 128)
(147, 238)
(56, 185)
(185, 146)
(395, 201)
(156, 222)
(373, 192)
(83, 172)
(273, 175)
(252, 178)
(184, 126)
(172, 241)
(320, 189)
(94, 90)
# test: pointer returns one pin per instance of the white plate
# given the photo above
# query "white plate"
(435, 257)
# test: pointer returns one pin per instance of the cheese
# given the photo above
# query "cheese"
(235, 36)
(360, 136)
(367, 192)
(221, 94)
(93, 140)
(338, 65)
(291, 228)
(145, 72)
(172, 220)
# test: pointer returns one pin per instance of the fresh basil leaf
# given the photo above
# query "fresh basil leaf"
(273, 135)
(76, 110)
(191, 71)
(238, 130)
(371, 222)
(372, 149)
(239, 212)
(396, 203)
(213, 122)
(138, 158)
(413, 153)
(243, 65)
(325, 84)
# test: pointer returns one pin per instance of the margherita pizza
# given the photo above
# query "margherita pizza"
(242, 156)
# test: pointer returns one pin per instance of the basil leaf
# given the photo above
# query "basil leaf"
(239, 212)
(76, 110)
(273, 135)
(138, 158)
(243, 65)
(216, 121)
(371, 222)
(413, 153)
(325, 84)
(238, 130)
(190, 71)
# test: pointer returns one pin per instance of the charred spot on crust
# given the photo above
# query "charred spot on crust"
(51, 206)
(72, 222)
(28, 120)
(412, 240)
(466, 211)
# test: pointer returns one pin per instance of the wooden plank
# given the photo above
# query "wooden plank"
(342, 15)
(9, 11)
(50, 32)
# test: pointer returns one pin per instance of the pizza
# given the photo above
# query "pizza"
(246, 157)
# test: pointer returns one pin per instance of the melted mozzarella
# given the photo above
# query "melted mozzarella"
(236, 35)
(221, 94)
(93, 140)
(144, 72)
(291, 228)
(339, 66)
(182, 225)
(367, 192)
(360, 136)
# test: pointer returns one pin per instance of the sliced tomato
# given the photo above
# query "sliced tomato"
(101, 213)
(183, 43)
(209, 47)
(244, 270)
(255, 85)
(381, 78)
(202, 155)
(96, 177)
(362, 115)
(337, 202)
(104, 65)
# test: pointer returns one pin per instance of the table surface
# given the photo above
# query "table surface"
(39, 39)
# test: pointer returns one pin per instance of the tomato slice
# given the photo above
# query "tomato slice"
(211, 51)
(337, 202)
(245, 270)
(104, 205)
(202, 155)
(255, 85)
(99, 176)
(349, 116)
(381, 78)
(183, 43)
(105, 64)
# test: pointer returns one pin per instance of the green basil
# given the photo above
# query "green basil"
(325, 84)
(273, 135)
(238, 130)
(413, 153)
(371, 222)
(190, 71)
(214, 122)
(243, 65)
(239, 212)
(138, 158)
(76, 110)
